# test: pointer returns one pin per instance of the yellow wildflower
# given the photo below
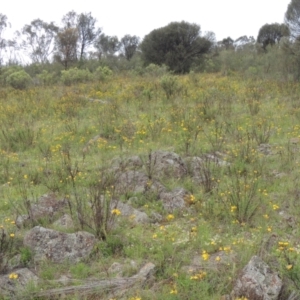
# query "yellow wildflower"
(116, 212)
(13, 276)
(170, 217)
(205, 255)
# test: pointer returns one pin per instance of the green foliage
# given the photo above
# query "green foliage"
(292, 18)
(7, 240)
(80, 270)
(112, 246)
(106, 45)
(26, 255)
(129, 45)
(103, 73)
(6, 71)
(170, 85)
(269, 34)
(175, 45)
(47, 78)
(74, 75)
(18, 138)
(19, 80)
(156, 70)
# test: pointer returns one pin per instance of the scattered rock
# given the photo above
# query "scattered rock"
(155, 217)
(132, 163)
(14, 283)
(57, 246)
(135, 215)
(116, 269)
(136, 182)
(217, 159)
(64, 222)
(197, 169)
(288, 219)
(214, 262)
(294, 140)
(265, 149)
(257, 282)
(174, 200)
(46, 207)
(163, 163)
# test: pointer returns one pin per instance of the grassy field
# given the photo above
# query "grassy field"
(63, 140)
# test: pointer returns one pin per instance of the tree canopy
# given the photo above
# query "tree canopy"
(129, 45)
(176, 45)
(39, 40)
(270, 34)
(292, 18)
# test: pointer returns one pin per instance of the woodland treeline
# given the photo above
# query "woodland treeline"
(42, 52)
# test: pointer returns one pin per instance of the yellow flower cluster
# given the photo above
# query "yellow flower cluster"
(199, 276)
(116, 212)
(13, 276)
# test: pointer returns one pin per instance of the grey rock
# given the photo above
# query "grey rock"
(155, 217)
(136, 215)
(136, 182)
(13, 287)
(174, 200)
(116, 269)
(57, 246)
(266, 149)
(257, 282)
(132, 162)
(65, 222)
(47, 206)
(164, 163)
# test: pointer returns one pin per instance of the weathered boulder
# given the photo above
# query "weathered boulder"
(174, 200)
(197, 169)
(136, 182)
(64, 222)
(47, 206)
(130, 163)
(135, 215)
(257, 282)
(12, 285)
(164, 163)
(57, 246)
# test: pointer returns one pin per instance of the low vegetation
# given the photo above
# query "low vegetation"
(48, 145)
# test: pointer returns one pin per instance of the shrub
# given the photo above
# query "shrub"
(156, 70)
(19, 80)
(75, 75)
(6, 71)
(103, 73)
(170, 85)
(46, 78)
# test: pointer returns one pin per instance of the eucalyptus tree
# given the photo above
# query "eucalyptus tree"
(37, 39)
(129, 45)
(3, 42)
(106, 45)
(271, 34)
(176, 45)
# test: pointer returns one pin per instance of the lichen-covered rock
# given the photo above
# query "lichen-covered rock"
(57, 246)
(136, 182)
(47, 206)
(257, 282)
(14, 283)
(65, 222)
(164, 163)
(135, 215)
(174, 200)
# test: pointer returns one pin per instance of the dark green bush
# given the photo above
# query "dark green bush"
(19, 80)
